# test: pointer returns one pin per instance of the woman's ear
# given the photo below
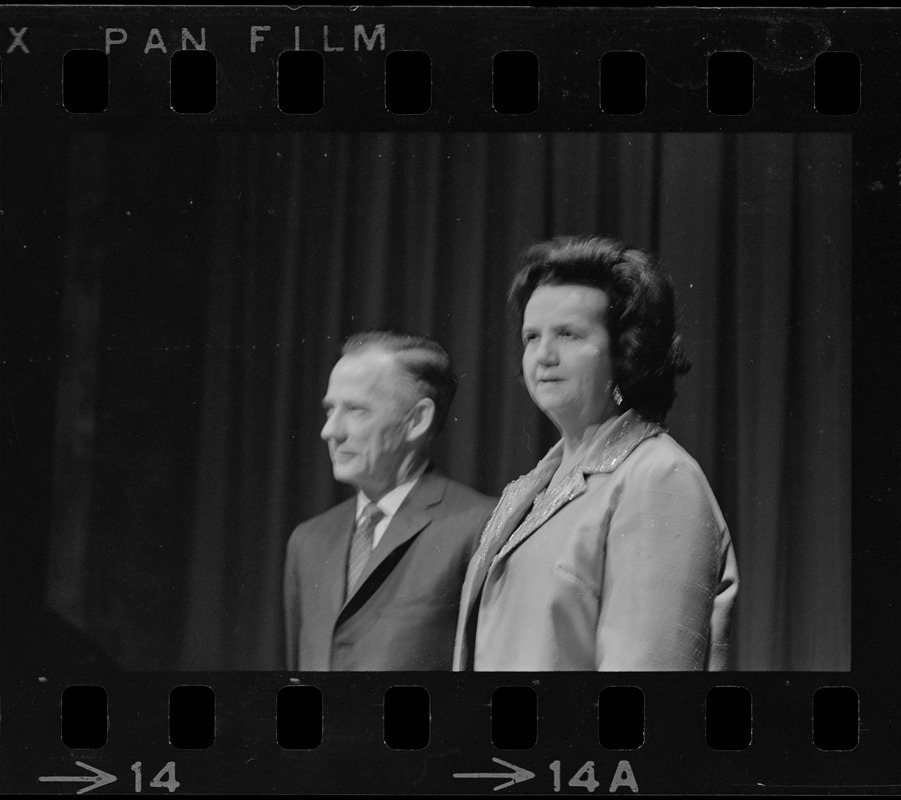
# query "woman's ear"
(421, 418)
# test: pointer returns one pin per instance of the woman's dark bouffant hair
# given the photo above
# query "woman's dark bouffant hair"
(646, 351)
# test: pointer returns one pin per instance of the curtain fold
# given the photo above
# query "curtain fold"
(312, 236)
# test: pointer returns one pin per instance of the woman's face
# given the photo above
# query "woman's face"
(566, 358)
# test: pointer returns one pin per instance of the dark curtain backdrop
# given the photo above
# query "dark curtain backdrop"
(208, 282)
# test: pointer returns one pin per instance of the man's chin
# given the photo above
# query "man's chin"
(342, 473)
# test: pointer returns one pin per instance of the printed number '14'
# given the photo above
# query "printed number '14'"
(167, 772)
(583, 779)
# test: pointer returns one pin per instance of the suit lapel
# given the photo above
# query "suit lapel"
(414, 514)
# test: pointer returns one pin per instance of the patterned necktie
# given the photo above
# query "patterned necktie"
(361, 545)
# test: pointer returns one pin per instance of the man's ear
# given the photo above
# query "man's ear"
(421, 417)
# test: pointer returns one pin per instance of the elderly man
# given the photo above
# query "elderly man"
(374, 583)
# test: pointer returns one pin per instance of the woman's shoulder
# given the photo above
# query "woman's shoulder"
(664, 448)
(662, 466)
(661, 456)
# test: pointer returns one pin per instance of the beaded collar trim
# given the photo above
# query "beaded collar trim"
(612, 448)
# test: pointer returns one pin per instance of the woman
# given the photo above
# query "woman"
(612, 554)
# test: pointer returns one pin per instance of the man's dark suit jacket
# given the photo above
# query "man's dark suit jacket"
(403, 613)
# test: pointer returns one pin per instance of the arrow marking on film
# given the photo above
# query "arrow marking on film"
(518, 775)
(99, 778)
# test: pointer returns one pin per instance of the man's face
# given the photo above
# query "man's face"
(367, 409)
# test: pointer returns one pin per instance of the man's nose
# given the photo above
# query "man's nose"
(332, 427)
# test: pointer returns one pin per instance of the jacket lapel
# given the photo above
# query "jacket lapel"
(515, 502)
(567, 490)
(507, 529)
(610, 449)
(413, 515)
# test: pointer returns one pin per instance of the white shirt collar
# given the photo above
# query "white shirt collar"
(391, 502)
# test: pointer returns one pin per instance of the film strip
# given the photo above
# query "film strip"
(171, 175)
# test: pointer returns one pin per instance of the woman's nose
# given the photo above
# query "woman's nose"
(545, 352)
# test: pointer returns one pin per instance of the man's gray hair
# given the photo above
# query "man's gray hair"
(424, 360)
